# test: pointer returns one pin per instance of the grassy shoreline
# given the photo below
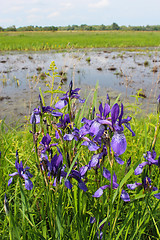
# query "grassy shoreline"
(53, 171)
(37, 41)
(36, 212)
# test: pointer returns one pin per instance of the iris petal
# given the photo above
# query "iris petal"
(157, 195)
(106, 174)
(61, 104)
(114, 113)
(119, 143)
(106, 110)
(119, 160)
(98, 193)
(13, 174)
(10, 181)
(68, 184)
(133, 186)
(125, 196)
(28, 184)
(68, 137)
(94, 160)
(82, 186)
(139, 169)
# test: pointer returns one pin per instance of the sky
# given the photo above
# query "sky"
(76, 12)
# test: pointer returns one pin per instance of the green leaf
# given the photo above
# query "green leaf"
(125, 179)
(42, 96)
(54, 91)
(73, 163)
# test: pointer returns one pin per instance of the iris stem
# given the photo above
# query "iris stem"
(111, 160)
(69, 111)
(156, 132)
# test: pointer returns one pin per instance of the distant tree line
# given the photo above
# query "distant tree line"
(84, 27)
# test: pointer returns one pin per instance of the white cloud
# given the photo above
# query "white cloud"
(53, 15)
(16, 8)
(6, 22)
(13, 9)
(33, 17)
(69, 12)
(99, 4)
(34, 10)
(67, 5)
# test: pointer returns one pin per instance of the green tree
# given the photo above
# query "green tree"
(11, 28)
(115, 26)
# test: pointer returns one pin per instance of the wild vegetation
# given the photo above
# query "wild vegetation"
(73, 40)
(86, 171)
(83, 27)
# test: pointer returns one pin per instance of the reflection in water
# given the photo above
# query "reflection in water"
(21, 75)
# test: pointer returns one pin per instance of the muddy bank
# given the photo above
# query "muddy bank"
(125, 72)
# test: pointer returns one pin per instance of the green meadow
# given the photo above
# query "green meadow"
(65, 40)
(83, 171)
(60, 177)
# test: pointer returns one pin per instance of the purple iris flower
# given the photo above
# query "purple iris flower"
(37, 112)
(96, 127)
(103, 115)
(150, 157)
(57, 170)
(23, 173)
(118, 142)
(79, 135)
(69, 94)
(124, 195)
(77, 176)
(55, 165)
(74, 174)
(60, 175)
(49, 109)
(93, 128)
(52, 111)
(103, 123)
(35, 117)
(92, 146)
(119, 160)
(65, 124)
(85, 129)
(146, 184)
(46, 143)
(64, 121)
(95, 160)
(74, 135)
(83, 170)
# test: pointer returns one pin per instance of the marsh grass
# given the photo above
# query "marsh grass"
(36, 41)
(48, 212)
(65, 214)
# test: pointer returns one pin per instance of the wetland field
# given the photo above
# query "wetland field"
(77, 39)
(117, 72)
(79, 134)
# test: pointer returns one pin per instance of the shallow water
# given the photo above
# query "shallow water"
(116, 71)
